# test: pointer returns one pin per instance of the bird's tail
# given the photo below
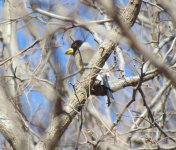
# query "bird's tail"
(108, 90)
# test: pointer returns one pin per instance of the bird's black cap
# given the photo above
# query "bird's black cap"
(76, 44)
(74, 47)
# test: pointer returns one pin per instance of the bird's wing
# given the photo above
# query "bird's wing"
(87, 52)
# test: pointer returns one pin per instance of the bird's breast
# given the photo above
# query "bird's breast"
(78, 61)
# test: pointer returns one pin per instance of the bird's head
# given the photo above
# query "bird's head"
(74, 47)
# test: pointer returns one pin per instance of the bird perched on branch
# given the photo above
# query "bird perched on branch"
(83, 52)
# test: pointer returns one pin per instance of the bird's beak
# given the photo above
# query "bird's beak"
(70, 51)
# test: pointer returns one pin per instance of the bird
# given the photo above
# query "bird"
(83, 52)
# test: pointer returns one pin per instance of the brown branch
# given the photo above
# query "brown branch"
(150, 114)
